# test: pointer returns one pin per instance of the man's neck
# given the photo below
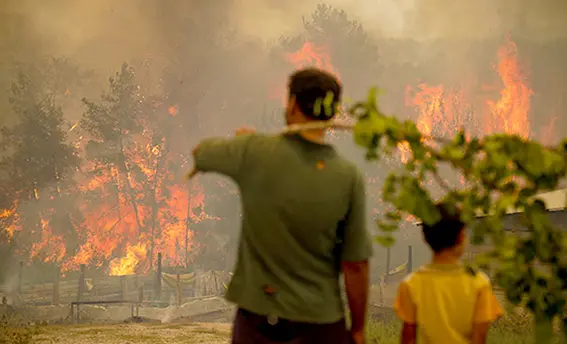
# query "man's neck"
(316, 136)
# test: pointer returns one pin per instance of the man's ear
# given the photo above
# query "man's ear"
(291, 104)
(462, 237)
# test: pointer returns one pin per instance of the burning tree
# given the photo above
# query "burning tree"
(135, 205)
(39, 164)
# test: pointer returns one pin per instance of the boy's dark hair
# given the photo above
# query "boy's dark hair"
(311, 87)
(444, 233)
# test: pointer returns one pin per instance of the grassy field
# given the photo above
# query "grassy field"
(506, 332)
(513, 329)
(133, 333)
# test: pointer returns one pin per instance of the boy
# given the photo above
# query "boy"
(444, 302)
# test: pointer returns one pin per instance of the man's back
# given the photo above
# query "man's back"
(296, 195)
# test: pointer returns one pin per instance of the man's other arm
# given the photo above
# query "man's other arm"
(220, 155)
(356, 251)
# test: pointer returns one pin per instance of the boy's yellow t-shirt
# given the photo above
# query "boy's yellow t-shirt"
(444, 301)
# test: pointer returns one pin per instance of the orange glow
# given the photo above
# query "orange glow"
(173, 110)
(311, 55)
(405, 151)
(129, 265)
(130, 213)
(51, 248)
(509, 114)
(9, 220)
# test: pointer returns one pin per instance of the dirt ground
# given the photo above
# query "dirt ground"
(204, 333)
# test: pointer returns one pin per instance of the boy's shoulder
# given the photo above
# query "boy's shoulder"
(480, 278)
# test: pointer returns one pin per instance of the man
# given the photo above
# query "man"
(303, 222)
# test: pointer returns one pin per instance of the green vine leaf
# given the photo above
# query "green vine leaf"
(501, 177)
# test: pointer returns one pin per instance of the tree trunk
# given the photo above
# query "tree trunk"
(188, 222)
(159, 162)
(130, 189)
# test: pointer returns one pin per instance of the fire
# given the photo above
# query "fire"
(405, 151)
(311, 55)
(129, 213)
(129, 264)
(510, 113)
(134, 211)
(9, 220)
(173, 110)
(51, 248)
(442, 110)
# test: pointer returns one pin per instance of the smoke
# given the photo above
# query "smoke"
(104, 33)
(417, 19)
(540, 20)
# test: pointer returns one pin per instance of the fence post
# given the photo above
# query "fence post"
(56, 295)
(20, 279)
(410, 257)
(157, 287)
(388, 252)
(123, 287)
(81, 287)
(16, 294)
(178, 285)
(382, 290)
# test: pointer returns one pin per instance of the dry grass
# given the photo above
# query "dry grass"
(134, 333)
(516, 328)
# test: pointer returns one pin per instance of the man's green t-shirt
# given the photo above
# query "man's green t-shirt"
(299, 200)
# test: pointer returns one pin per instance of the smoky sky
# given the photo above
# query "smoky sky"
(107, 31)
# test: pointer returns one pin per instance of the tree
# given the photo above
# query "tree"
(112, 125)
(347, 42)
(199, 84)
(39, 164)
(502, 172)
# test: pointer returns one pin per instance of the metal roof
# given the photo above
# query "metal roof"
(554, 201)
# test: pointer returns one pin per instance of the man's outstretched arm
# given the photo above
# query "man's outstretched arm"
(222, 155)
(356, 251)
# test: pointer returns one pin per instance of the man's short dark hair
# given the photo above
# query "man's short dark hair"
(311, 87)
(444, 233)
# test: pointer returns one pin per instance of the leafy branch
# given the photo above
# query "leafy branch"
(503, 174)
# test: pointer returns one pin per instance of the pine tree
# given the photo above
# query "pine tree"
(39, 163)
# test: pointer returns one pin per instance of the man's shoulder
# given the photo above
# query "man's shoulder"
(347, 166)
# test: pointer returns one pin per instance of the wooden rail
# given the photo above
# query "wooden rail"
(134, 307)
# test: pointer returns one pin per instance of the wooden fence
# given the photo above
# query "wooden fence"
(155, 287)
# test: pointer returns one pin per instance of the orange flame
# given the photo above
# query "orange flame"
(510, 113)
(9, 220)
(129, 264)
(173, 110)
(312, 55)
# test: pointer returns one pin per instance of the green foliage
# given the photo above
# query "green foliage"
(503, 173)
